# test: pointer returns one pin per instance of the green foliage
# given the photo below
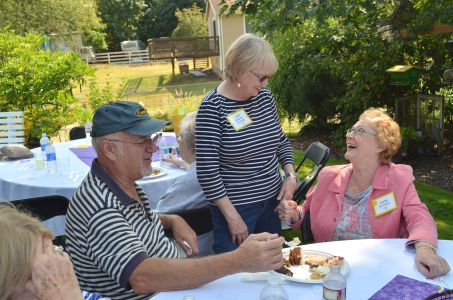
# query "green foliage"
(122, 19)
(159, 18)
(46, 16)
(191, 22)
(38, 82)
(333, 54)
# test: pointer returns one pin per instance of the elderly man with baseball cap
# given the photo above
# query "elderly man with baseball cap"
(117, 244)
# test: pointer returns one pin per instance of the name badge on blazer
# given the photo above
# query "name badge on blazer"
(239, 119)
(384, 204)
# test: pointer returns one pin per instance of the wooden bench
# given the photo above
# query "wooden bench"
(12, 128)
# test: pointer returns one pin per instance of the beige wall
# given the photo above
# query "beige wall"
(229, 28)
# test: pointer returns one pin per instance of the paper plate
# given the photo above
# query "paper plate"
(156, 172)
(302, 273)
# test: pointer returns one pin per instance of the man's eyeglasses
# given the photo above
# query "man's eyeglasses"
(147, 142)
(262, 78)
(359, 131)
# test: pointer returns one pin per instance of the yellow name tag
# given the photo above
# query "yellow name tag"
(384, 204)
(239, 119)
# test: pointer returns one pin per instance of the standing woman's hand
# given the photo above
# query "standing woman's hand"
(52, 274)
(288, 188)
(238, 229)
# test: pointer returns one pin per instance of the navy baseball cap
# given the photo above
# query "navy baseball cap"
(125, 116)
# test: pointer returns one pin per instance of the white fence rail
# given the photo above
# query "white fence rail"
(122, 57)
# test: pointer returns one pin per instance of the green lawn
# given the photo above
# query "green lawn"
(151, 84)
(439, 201)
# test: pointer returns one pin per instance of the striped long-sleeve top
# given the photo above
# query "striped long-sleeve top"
(109, 234)
(241, 164)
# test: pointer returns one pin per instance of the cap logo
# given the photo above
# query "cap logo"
(141, 112)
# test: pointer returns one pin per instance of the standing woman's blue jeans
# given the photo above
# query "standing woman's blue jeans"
(259, 217)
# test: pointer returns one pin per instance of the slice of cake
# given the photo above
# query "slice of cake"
(295, 256)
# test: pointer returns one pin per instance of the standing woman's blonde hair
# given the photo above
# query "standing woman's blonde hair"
(19, 235)
(247, 53)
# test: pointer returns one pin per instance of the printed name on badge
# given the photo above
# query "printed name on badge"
(384, 204)
(239, 119)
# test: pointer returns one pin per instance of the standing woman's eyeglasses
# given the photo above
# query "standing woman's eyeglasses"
(261, 78)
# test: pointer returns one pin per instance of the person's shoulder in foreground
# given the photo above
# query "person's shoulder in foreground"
(122, 252)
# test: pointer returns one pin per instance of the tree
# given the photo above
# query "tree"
(122, 19)
(160, 20)
(334, 53)
(38, 82)
(191, 22)
(47, 16)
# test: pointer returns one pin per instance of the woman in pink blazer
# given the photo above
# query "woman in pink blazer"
(371, 197)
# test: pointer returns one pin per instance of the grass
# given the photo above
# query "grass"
(153, 85)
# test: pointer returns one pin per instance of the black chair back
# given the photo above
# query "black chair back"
(198, 219)
(45, 208)
(77, 132)
(318, 153)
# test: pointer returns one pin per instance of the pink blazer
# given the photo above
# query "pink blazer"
(410, 220)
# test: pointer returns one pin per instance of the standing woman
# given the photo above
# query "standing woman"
(239, 145)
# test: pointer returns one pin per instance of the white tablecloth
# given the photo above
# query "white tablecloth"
(19, 179)
(373, 263)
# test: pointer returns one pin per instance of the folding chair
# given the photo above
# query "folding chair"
(318, 153)
(77, 132)
(200, 221)
(46, 208)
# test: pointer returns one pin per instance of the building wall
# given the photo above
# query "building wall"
(228, 28)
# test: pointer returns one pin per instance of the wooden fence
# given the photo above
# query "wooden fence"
(122, 57)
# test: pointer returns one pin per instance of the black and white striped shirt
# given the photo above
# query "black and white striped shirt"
(241, 164)
(109, 234)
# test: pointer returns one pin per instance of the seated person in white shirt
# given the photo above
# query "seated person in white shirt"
(185, 192)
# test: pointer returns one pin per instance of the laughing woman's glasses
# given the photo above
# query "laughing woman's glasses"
(359, 131)
(261, 78)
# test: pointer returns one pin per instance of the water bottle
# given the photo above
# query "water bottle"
(51, 158)
(88, 127)
(274, 289)
(43, 142)
(334, 285)
(163, 150)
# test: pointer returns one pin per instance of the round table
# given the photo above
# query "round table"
(373, 263)
(20, 179)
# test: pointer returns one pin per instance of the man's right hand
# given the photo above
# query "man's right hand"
(261, 252)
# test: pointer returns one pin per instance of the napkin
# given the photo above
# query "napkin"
(402, 288)
(257, 276)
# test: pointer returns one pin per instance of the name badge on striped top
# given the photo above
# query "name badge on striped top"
(239, 119)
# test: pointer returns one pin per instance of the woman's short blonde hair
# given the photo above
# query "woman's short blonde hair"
(19, 235)
(388, 132)
(247, 53)
(187, 132)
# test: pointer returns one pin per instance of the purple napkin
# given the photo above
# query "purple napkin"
(87, 155)
(405, 288)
